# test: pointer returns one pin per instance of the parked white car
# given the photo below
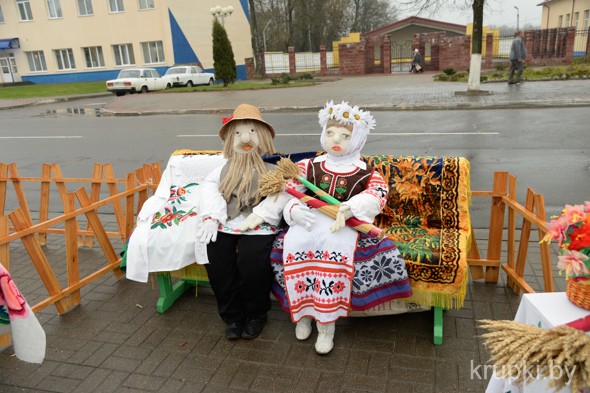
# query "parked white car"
(189, 76)
(137, 80)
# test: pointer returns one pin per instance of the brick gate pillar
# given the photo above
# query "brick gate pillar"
(569, 46)
(489, 50)
(323, 61)
(386, 54)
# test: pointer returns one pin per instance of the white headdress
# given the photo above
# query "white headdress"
(362, 123)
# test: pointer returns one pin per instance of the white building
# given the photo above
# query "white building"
(53, 41)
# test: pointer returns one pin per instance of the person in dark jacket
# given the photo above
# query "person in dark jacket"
(517, 57)
(416, 61)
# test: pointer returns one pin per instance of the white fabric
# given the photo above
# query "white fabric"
(157, 249)
(544, 310)
(28, 337)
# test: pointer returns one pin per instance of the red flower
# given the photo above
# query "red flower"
(290, 258)
(344, 258)
(316, 286)
(181, 191)
(580, 237)
(339, 287)
(11, 297)
(309, 255)
(326, 255)
(166, 218)
(300, 286)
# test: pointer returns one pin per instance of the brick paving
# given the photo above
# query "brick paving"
(115, 341)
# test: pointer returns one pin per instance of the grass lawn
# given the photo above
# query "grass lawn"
(65, 89)
(51, 90)
(500, 73)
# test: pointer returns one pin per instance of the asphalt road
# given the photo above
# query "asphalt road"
(546, 149)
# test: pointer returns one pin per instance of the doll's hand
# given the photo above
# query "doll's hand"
(302, 215)
(344, 214)
(208, 231)
(251, 222)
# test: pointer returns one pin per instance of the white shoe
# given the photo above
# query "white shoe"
(303, 328)
(325, 341)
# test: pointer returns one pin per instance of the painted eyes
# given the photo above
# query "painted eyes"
(344, 136)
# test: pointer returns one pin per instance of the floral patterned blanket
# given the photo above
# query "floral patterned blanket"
(427, 216)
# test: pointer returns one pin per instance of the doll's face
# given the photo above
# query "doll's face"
(337, 140)
(246, 138)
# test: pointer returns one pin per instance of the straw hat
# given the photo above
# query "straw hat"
(244, 112)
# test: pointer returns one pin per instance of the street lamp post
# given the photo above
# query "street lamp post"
(222, 12)
(517, 17)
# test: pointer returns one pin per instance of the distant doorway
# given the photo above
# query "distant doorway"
(9, 70)
(401, 56)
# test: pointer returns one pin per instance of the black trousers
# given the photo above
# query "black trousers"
(240, 275)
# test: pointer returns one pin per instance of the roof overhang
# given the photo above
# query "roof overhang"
(417, 21)
(9, 43)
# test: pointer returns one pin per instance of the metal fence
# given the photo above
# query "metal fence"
(581, 43)
(278, 62)
(547, 43)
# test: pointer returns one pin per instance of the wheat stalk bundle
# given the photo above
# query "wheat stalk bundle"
(514, 344)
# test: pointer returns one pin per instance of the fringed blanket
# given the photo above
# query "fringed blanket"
(427, 216)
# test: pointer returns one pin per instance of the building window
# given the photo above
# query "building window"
(1, 15)
(93, 56)
(576, 19)
(153, 52)
(85, 7)
(586, 19)
(124, 55)
(560, 21)
(567, 20)
(146, 4)
(116, 6)
(65, 59)
(24, 10)
(54, 9)
(36, 61)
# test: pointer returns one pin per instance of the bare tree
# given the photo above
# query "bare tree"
(308, 24)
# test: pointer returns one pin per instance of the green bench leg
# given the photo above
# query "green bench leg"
(169, 293)
(438, 326)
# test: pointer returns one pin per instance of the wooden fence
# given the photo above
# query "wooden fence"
(503, 196)
(34, 235)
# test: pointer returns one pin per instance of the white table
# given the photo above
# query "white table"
(544, 310)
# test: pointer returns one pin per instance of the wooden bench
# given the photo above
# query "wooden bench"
(426, 215)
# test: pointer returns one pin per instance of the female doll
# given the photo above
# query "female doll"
(324, 278)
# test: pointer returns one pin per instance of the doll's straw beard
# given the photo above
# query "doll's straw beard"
(239, 179)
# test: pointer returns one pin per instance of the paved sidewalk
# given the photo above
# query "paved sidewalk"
(401, 91)
(376, 92)
(117, 342)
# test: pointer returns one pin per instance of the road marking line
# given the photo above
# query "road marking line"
(42, 137)
(373, 133)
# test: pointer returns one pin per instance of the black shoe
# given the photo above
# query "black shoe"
(234, 331)
(253, 328)
(511, 82)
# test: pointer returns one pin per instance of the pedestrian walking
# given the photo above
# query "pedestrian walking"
(416, 61)
(517, 57)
